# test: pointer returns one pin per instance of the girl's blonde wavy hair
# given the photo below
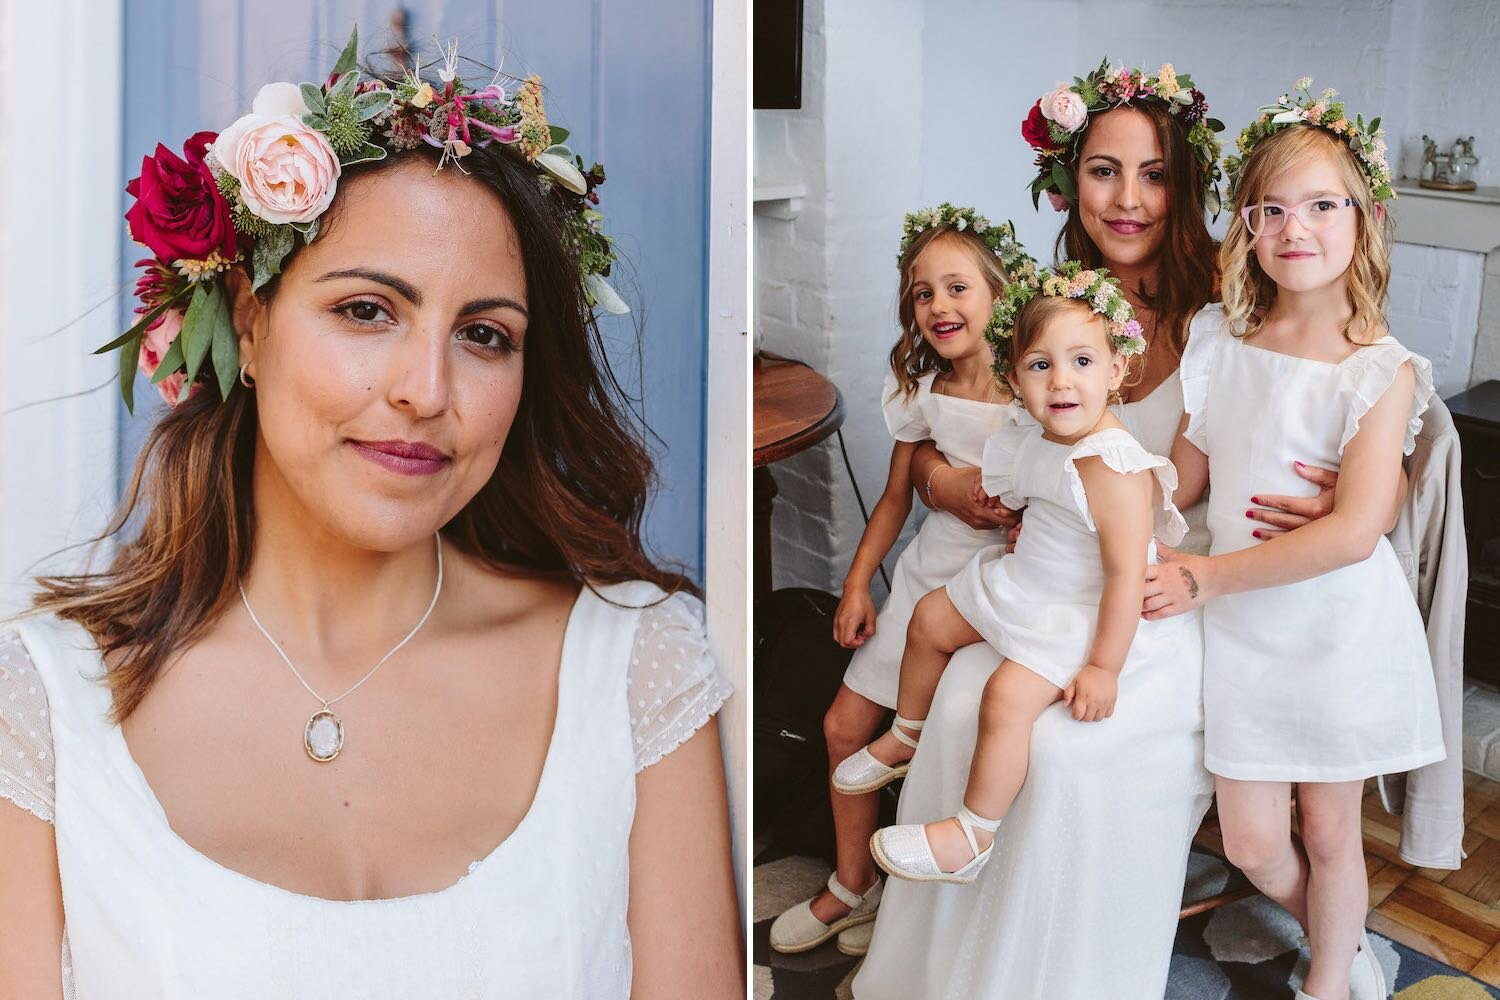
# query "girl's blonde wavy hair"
(913, 357)
(1249, 292)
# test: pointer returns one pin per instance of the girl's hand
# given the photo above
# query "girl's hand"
(1287, 513)
(960, 492)
(1176, 585)
(1092, 694)
(854, 619)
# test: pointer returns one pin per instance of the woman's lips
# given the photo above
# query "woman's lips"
(1127, 227)
(408, 458)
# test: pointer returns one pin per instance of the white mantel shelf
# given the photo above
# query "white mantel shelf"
(1457, 220)
(779, 199)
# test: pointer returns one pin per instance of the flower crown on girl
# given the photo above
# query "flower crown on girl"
(1000, 239)
(1057, 122)
(244, 196)
(1069, 280)
(1367, 142)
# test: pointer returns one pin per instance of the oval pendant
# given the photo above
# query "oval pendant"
(324, 736)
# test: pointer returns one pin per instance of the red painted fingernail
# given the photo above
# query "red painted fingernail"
(1255, 499)
(1255, 534)
(1250, 514)
(1299, 465)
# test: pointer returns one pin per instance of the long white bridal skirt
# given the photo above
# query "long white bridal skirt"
(1081, 898)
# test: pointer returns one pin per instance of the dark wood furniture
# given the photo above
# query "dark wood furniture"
(1476, 414)
(795, 408)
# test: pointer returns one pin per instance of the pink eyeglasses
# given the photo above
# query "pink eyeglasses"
(1268, 218)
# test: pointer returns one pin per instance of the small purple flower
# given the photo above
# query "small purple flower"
(1197, 111)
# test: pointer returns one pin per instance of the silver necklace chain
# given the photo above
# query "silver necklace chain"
(326, 702)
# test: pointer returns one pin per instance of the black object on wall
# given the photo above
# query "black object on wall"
(778, 54)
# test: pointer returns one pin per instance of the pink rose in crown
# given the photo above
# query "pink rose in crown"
(179, 213)
(157, 339)
(154, 344)
(1059, 203)
(287, 171)
(1065, 107)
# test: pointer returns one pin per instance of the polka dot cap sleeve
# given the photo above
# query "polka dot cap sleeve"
(674, 685)
(26, 766)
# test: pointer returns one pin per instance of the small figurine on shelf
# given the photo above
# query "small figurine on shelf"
(1450, 171)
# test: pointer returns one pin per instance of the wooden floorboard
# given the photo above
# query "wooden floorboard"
(1450, 915)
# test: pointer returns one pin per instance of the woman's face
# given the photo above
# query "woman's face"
(1122, 190)
(388, 366)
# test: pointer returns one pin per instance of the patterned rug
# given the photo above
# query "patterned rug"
(1247, 950)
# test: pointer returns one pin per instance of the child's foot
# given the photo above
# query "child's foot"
(882, 762)
(912, 851)
(949, 845)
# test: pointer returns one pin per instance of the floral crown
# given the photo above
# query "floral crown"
(1058, 120)
(1069, 280)
(1000, 239)
(245, 196)
(1366, 141)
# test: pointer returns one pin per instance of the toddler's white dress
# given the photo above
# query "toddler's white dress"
(943, 543)
(1328, 679)
(542, 915)
(1080, 899)
(1039, 605)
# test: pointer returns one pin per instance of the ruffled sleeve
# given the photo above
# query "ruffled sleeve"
(26, 765)
(903, 414)
(1206, 334)
(1124, 454)
(1002, 456)
(1369, 372)
(674, 685)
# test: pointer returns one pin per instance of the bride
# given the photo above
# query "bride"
(382, 697)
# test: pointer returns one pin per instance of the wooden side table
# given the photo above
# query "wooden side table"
(795, 408)
(1476, 414)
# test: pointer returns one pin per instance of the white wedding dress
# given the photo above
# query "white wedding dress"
(542, 915)
(1080, 900)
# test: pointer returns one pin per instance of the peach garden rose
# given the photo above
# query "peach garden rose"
(288, 171)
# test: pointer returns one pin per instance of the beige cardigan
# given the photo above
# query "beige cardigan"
(1429, 541)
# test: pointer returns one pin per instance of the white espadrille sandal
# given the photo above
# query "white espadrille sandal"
(855, 941)
(1367, 978)
(861, 772)
(797, 930)
(904, 852)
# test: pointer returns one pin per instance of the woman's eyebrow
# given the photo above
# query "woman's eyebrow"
(406, 291)
(498, 302)
(402, 288)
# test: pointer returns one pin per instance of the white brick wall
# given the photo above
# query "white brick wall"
(911, 103)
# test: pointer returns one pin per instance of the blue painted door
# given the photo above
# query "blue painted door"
(629, 78)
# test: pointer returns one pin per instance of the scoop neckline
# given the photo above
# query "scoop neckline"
(1314, 361)
(932, 380)
(549, 766)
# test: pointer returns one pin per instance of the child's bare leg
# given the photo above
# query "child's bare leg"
(851, 720)
(1013, 698)
(1338, 891)
(935, 632)
(1256, 817)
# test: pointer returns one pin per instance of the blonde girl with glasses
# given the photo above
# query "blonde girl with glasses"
(1316, 665)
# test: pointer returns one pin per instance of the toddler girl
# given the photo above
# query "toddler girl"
(1316, 663)
(1063, 609)
(952, 265)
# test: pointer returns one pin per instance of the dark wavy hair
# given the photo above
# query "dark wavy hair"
(566, 498)
(1187, 262)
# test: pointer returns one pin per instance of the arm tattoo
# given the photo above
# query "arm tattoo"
(1192, 584)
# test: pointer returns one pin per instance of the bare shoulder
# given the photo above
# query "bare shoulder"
(497, 596)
